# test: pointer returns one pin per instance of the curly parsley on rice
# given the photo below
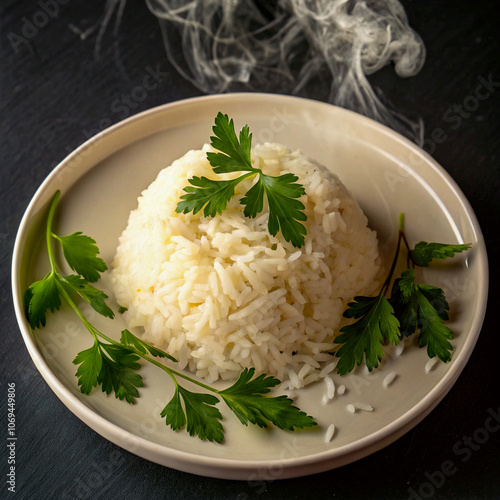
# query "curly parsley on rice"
(221, 294)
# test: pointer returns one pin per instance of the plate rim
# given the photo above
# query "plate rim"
(230, 468)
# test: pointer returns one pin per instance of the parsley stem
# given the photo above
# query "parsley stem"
(192, 380)
(409, 260)
(401, 236)
(67, 297)
(170, 371)
(387, 282)
(48, 231)
(401, 224)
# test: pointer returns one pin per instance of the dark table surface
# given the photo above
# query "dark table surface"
(55, 93)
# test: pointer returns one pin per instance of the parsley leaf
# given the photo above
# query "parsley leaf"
(281, 192)
(425, 308)
(424, 252)
(118, 372)
(112, 367)
(433, 333)
(80, 252)
(245, 399)
(199, 414)
(40, 297)
(174, 412)
(285, 210)
(234, 155)
(208, 193)
(94, 296)
(364, 338)
(90, 361)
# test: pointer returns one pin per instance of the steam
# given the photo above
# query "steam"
(312, 48)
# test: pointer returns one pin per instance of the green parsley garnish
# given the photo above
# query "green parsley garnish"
(410, 307)
(114, 365)
(424, 252)
(281, 192)
(424, 307)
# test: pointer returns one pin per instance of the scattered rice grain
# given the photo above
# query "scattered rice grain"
(430, 364)
(330, 387)
(329, 433)
(399, 349)
(363, 406)
(388, 379)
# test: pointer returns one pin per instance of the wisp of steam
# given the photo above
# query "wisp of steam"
(304, 47)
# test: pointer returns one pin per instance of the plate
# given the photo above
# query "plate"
(100, 183)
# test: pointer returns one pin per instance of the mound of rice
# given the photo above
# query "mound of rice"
(221, 293)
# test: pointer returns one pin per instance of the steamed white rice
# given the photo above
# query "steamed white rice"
(221, 293)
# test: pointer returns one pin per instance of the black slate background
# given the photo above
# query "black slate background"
(55, 94)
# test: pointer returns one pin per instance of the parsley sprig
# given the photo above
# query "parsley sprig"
(114, 365)
(282, 192)
(410, 307)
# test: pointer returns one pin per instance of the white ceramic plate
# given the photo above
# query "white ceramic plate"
(100, 183)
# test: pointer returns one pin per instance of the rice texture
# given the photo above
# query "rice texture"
(221, 294)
